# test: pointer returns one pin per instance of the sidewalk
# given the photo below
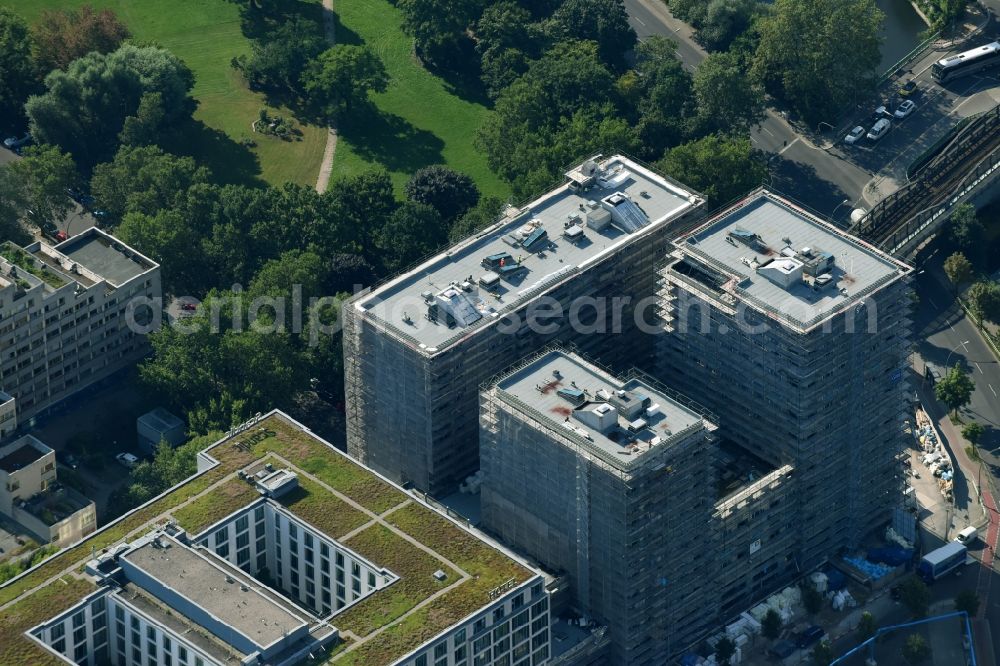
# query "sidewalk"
(970, 506)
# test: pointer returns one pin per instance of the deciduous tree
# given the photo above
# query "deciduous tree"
(279, 57)
(966, 228)
(724, 650)
(722, 168)
(728, 100)
(866, 626)
(822, 654)
(144, 179)
(819, 55)
(44, 175)
(342, 76)
(955, 389)
(602, 21)
(973, 432)
(412, 231)
(984, 301)
(84, 108)
(17, 70)
(449, 192)
(916, 650)
(915, 596)
(771, 624)
(62, 35)
(958, 269)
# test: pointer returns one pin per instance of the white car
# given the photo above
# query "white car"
(854, 134)
(905, 109)
(879, 129)
(127, 459)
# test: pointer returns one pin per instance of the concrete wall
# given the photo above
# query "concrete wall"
(30, 479)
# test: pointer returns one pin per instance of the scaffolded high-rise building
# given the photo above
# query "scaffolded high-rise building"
(608, 481)
(796, 334)
(573, 265)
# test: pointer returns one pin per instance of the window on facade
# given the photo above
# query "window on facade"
(242, 523)
(221, 536)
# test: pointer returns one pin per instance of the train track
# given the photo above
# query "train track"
(938, 180)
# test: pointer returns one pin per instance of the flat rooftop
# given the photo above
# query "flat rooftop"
(738, 468)
(337, 496)
(195, 634)
(105, 256)
(765, 249)
(231, 596)
(21, 453)
(538, 250)
(621, 418)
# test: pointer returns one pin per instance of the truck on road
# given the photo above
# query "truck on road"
(942, 561)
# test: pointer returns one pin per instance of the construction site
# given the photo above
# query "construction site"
(570, 266)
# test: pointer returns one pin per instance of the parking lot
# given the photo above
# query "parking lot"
(938, 109)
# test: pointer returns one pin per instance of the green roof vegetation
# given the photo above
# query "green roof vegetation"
(215, 505)
(275, 438)
(15, 647)
(25, 261)
(323, 510)
(415, 569)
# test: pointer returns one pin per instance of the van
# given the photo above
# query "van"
(879, 129)
(966, 536)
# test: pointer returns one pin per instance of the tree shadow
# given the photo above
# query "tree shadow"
(345, 35)
(390, 140)
(256, 22)
(804, 185)
(229, 161)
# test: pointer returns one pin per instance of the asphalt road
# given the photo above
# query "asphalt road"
(827, 175)
(947, 337)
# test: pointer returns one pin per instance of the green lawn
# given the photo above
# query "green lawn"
(420, 121)
(206, 34)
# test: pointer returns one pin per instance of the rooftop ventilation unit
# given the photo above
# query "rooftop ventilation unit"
(498, 260)
(625, 213)
(535, 238)
(748, 238)
(573, 395)
(489, 280)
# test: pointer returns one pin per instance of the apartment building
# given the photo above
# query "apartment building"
(33, 498)
(64, 313)
(263, 562)
(796, 334)
(8, 415)
(606, 480)
(573, 265)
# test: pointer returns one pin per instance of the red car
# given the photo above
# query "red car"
(61, 235)
(189, 307)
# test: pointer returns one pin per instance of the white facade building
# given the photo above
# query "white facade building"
(65, 314)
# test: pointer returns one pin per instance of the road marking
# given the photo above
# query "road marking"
(782, 151)
(639, 21)
(933, 304)
(994, 391)
(764, 129)
(980, 367)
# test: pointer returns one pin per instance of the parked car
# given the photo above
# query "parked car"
(908, 88)
(61, 236)
(189, 307)
(14, 143)
(905, 109)
(879, 129)
(70, 461)
(854, 134)
(127, 459)
(810, 636)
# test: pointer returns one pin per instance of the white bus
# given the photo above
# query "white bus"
(968, 62)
